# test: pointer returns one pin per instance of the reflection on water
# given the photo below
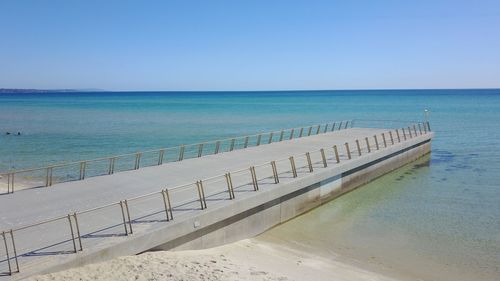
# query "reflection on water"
(441, 156)
(423, 163)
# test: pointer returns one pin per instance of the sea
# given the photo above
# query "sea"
(435, 219)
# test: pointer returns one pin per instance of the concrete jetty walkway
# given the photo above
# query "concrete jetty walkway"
(143, 223)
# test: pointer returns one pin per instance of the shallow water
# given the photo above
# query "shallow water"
(436, 219)
(406, 225)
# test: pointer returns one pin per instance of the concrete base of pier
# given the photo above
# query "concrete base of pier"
(274, 207)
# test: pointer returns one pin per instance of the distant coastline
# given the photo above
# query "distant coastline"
(21, 91)
(337, 91)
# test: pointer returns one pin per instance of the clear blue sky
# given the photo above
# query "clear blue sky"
(249, 45)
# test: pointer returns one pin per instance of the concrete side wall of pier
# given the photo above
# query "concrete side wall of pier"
(299, 197)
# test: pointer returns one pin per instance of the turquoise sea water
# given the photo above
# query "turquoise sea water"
(441, 214)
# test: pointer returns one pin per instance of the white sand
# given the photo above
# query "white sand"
(18, 185)
(243, 260)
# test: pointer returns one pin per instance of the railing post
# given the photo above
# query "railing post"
(428, 126)
(291, 134)
(270, 138)
(259, 137)
(384, 140)
(123, 217)
(346, 122)
(201, 194)
(404, 133)
(245, 145)
(336, 151)
(275, 172)
(292, 164)
(309, 132)
(301, 132)
(7, 252)
(48, 178)
(281, 135)
(10, 183)
(72, 233)
(397, 134)
(326, 128)
(392, 138)
(317, 130)
(78, 231)
(323, 157)
(166, 203)
(111, 168)
(200, 150)
(83, 166)
(359, 147)
(415, 130)
(340, 125)
(113, 165)
(124, 208)
(14, 249)
(128, 215)
(309, 162)
(137, 160)
(409, 132)
(333, 126)
(217, 147)
(231, 147)
(254, 179)
(160, 156)
(229, 183)
(348, 150)
(376, 142)
(368, 145)
(420, 128)
(181, 152)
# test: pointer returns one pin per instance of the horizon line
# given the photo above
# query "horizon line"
(13, 90)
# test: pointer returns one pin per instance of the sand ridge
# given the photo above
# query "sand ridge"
(243, 260)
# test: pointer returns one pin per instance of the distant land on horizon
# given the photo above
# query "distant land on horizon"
(12, 90)
(90, 90)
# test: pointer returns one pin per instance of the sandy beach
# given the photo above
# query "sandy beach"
(244, 260)
(19, 184)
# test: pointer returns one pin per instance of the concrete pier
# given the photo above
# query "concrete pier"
(195, 203)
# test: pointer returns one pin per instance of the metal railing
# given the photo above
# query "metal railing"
(383, 123)
(64, 234)
(79, 170)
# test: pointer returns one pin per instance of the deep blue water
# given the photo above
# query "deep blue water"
(449, 205)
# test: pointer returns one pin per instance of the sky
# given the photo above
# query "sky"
(249, 45)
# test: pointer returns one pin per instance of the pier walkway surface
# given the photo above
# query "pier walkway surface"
(81, 218)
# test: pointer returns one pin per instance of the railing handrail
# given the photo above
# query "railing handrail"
(145, 195)
(152, 150)
(387, 120)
